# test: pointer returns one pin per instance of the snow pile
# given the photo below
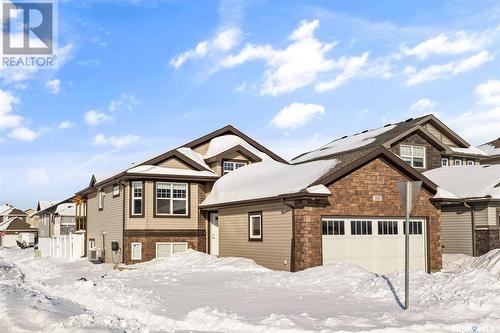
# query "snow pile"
(157, 170)
(491, 148)
(268, 179)
(489, 262)
(470, 150)
(475, 181)
(196, 157)
(224, 142)
(343, 144)
(66, 209)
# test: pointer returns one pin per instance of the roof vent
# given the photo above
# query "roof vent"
(364, 131)
(388, 125)
(345, 136)
(408, 120)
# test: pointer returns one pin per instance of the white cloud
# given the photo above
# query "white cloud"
(94, 117)
(66, 124)
(352, 66)
(37, 177)
(23, 134)
(115, 141)
(435, 72)
(461, 42)
(224, 41)
(423, 104)
(7, 102)
(489, 92)
(125, 101)
(54, 86)
(296, 115)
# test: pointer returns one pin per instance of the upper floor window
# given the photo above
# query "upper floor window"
(228, 166)
(137, 198)
(100, 199)
(171, 198)
(457, 162)
(116, 191)
(444, 161)
(413, 155)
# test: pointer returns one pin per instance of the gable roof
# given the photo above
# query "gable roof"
(4, 208)
(491, 148)
(383, 136)
(66, 209)
(43, 205)
(467, 181)
(16, 223)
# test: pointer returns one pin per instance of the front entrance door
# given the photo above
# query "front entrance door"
(214, 234)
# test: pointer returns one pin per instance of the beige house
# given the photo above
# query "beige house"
(32, 219)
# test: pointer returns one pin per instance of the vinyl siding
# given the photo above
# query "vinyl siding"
(480, 215)
(440, 135)
(273, 250)
(44, 227)
(174, 163)
(456, 230)
(151, 222)
(109, 220)
(202, 149)
(492, 215)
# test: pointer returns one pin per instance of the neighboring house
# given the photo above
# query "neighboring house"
(44, 211)
(470, 207)
(56, 218)
(491, 148)
(64, 219)
(8, 211)
(424, 143)
(152, 209)
(32, 219)
(15, 228)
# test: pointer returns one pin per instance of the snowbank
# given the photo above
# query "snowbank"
(489, 262)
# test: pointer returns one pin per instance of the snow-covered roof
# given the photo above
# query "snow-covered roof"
(46, 204)
(6, 208)
(470, 151)
(6, 224)
(194, 156)
(466, 181)
(492, 148)
(66, 209)
(157, 170)
(224, 142)
(344, 144)
(268, 179)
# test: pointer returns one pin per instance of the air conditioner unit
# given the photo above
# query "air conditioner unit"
(94, 254)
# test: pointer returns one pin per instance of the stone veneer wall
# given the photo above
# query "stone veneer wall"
(487, 240)
(353, 196)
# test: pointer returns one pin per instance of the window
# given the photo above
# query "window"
(333, 227)
(387, 227)
(116, 191)
(413, 155)
(137, 198)
(444, 161)
(136, 251)
(361, 227)
(228, 166)
(171, 198)
(470, 162)
(255, 226)
(164, 250)
(415, 227)
(100, 200)
(91, 243)
(458, 162)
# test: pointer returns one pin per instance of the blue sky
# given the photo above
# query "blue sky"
(139, 78)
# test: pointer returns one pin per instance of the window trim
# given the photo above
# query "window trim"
(188, 201)
(412, 156)
(455, 160)
(91, 240)
(99, 194)
(131, 199)
(113, 190)
(369, 226)
(447, 161)
(171, 247)
(261, 237)
(132, 251)
(232, 161)
(470, 162)
(392, 222)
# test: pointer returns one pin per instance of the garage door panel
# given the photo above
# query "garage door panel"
(380, 253)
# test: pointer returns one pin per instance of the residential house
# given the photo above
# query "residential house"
(470, 207)
(32, 219)
(491, 148)
(14, 229)
(44, 213)
(56, 218)
(8, 211)
(152, 209)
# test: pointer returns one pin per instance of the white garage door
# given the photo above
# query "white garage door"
(375, 244)
(9, 240)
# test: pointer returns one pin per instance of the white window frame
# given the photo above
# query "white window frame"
(445, 161)
(171, 245)
(251, 235)
(91, 244)
(369, 227)
(470, 162)
(412, 156)
(234, 166)
(457, 160)
(132, 251)
(171, 198)
(331, 221)
(133, 198)
(116, 190)
(100, 199)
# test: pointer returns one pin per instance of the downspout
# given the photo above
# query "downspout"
(292, 245)
(123, 222)
(473, 223)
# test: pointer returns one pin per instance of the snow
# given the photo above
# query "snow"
(194, 156)
(467, 181)
(318, 189)
(157, 170)
(489, 262)
(441, 193)
(6, 224)
(471, 150)
(66, 209)
(344, 144)
(6, 208)
(266, 179)
(224, 142)
(192, 291)
(46, 204)
(490, 149)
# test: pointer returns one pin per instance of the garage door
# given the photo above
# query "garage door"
(9, 240)
(375, 244)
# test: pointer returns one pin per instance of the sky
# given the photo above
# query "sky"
(138, 78)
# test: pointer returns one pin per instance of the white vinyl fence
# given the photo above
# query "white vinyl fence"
(69, 246)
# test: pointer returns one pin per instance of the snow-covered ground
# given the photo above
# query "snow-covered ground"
(192, 291)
